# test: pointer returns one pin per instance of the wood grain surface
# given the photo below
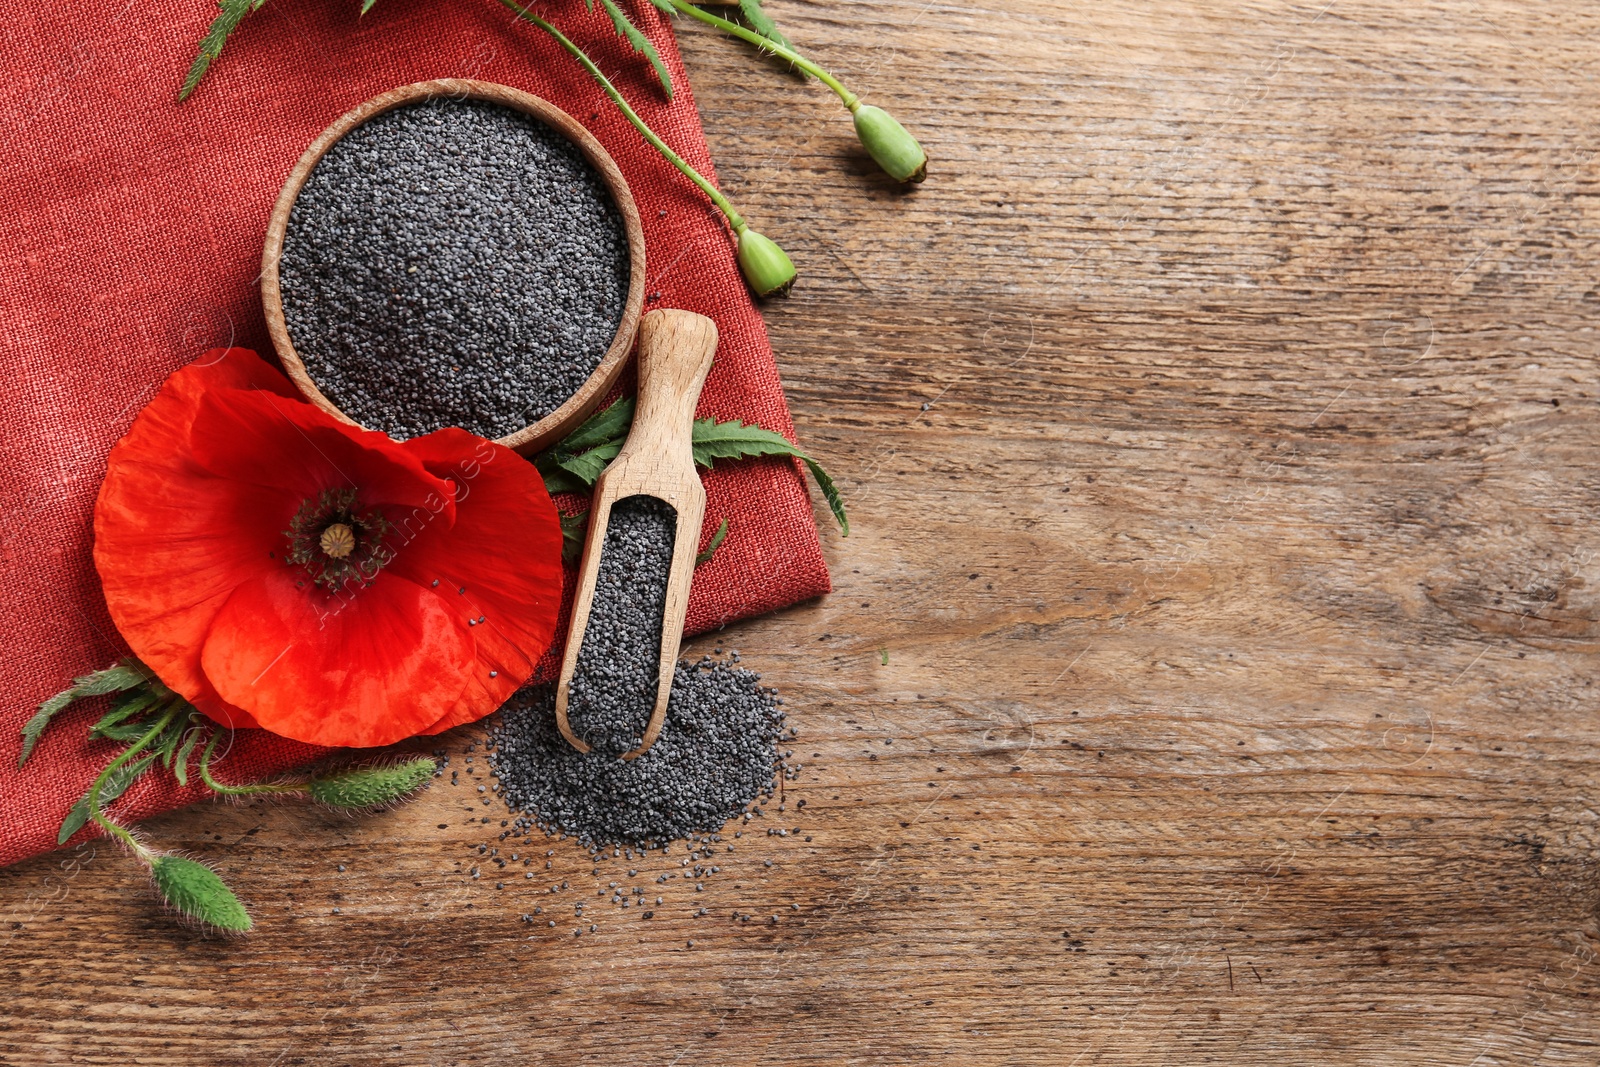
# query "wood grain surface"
(1210, 672)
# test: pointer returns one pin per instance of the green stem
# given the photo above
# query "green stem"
(121, 833)
(766, 44)
(734, 218)
(237, 790)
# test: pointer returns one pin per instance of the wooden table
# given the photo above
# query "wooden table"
(1210, 675)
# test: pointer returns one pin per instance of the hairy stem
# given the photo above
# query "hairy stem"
(766, 44)
(734, 218)
(121, 833)
(238, 790)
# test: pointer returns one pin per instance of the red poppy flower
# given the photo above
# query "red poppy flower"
(282, 569)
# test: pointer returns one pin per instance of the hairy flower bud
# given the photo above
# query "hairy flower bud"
(894, 149)
(368, 787)
(765, 266)
(196, 891)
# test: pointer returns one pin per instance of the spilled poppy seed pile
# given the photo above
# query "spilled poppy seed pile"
(717, 761)
(716, 755)
(614, 685)
(513, 864)
(453, 263)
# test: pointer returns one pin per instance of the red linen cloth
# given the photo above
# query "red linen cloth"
(130, 242)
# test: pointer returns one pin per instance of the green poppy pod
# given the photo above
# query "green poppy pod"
(891, 145)
(765, 266)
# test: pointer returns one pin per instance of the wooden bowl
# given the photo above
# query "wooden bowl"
(564, 419)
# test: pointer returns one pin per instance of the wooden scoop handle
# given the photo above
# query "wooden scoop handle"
(657, 459)
(675, 353)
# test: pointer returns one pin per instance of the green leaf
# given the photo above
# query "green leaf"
(125, 675)
(125, 731)
(231, 14)
(132, 704)
(753, 16)
(34, 727)
(115, 786)
(757, 19)
(600, 428)
(196, 891)
(368, 787)
(180, 768)
(126, 775)
(640, 42)
(166, 745)
(735, 440)
(569, 466)
(559, 481)
(77, 815)
(830, 493)
(715, 543)
(575, 463)
(587, 466)
(366, 5)
(573, 528)
(138, 698)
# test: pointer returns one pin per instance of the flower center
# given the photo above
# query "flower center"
(335, 541)
(338, 540)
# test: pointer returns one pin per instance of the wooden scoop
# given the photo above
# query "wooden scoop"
(657, 459)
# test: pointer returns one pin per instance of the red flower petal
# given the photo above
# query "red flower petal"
(504, 550)
(225, 368)
(159, 515)
(263, 439)
(364, 667)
